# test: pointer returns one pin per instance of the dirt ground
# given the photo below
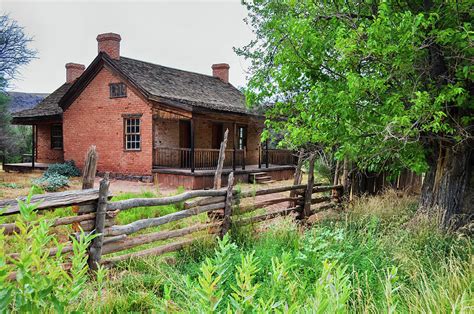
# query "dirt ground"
(15, 184)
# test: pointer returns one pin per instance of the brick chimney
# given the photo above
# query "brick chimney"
(221, 70)
(110, 44)
(73, 71)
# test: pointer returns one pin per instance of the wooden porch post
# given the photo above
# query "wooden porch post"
(266, 153)
(259, 155)
(244, 155)
(33, 146)
(233, 152)
(192, 145)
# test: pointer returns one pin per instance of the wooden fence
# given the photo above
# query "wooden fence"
(95, 212)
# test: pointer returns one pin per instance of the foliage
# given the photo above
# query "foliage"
(51, 182)
(67, 169)
(40, 283)
(370, 260)
(14, 52)
(380, 82)
(56, 176)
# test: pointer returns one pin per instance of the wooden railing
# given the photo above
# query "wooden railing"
(204, 158)
(95, 213)
(278, 157)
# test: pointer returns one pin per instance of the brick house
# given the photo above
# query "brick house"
(150, 122)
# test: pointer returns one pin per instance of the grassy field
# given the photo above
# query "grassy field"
(375, 257)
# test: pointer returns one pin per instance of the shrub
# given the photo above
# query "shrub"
(40, 283)
(67, 169)
(51, 182)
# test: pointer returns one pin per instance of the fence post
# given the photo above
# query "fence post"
(309, 188)
(297, 177)
(95, 250)
(90, 168)
(228, 205)
(220, 162)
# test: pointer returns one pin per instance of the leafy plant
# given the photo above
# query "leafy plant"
(51, 182)
(33, 281)
(67, 169)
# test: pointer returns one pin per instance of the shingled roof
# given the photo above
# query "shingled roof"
(157, 82)
(47, 109)
(183, 86)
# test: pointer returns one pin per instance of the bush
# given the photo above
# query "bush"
(51, 182)
(40, 283)
(67, 169)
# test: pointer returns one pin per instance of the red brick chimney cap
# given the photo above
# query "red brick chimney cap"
(108, 36)
(220, 66)
(75, 65)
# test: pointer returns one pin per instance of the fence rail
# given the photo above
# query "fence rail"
(96, 213)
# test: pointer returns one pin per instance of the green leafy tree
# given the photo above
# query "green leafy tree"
(387, 84)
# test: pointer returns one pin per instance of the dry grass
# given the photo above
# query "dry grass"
(385, 205)
(16, 184)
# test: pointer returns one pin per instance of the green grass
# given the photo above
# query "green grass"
(375, 258)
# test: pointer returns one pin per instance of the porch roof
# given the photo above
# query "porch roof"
(48, 109)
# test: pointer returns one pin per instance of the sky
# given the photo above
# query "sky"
(188, 35)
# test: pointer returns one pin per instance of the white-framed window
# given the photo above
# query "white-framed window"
(132, 138)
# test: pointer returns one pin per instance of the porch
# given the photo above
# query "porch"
(195, 169)
(205, 159)
(24, 166)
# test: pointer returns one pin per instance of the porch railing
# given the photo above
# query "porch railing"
(278, 157)
(204, 158)
(207, 158)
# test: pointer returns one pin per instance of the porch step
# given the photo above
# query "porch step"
(258, 174)
(261, 178)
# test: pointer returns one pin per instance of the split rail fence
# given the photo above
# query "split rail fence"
(95, 212)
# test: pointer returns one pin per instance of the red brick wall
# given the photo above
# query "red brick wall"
(43, 145)
(96, 119)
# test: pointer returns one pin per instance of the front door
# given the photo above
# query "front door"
(185, 142)
(217, 135)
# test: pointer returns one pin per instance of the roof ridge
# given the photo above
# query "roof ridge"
(176, 69)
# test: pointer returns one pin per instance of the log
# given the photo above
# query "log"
(318, 188)
(252, 207)
(10, 228)
(90, 168)
(317, 209)
(228, 206)
(205, 201)
(309, 188)
(281, 189)
(144, 202)
(153, 237)
(89, 225)
(52, 200)
(95, 250)
(220, 162)
(260, 218)
(153, 251)
(158, 221)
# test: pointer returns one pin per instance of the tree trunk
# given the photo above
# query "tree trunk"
(447, 190)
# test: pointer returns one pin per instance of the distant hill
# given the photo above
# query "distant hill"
(20, 101)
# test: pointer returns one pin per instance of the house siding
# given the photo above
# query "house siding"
(44, 152)
(96, 119)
